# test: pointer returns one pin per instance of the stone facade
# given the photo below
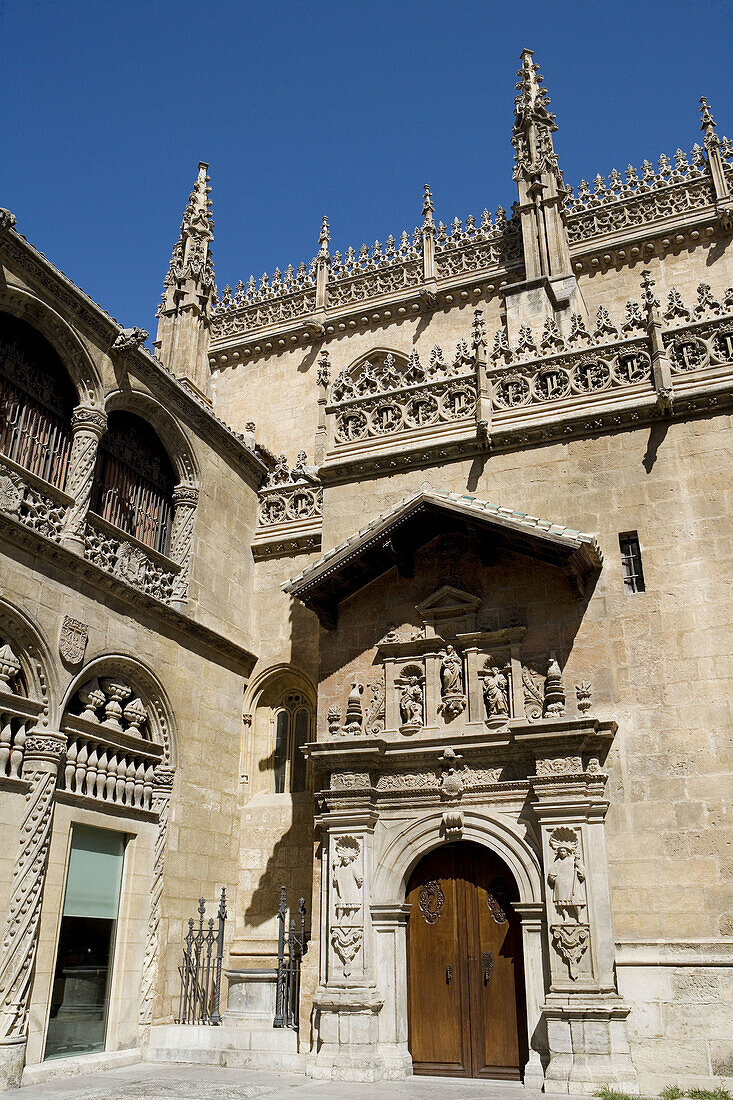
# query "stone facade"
(382, 600)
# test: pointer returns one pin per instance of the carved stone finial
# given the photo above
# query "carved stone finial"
(9, 665)
(478, 329)
(707, 122)
(554, 691)
(428, 208)
(128, 339)
(323, 240)
(7, 219)
(354, 714)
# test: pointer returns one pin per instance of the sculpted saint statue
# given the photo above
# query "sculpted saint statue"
(347, 878)
(451, 672)
(496, 693)
(411, 710)
(566, 878)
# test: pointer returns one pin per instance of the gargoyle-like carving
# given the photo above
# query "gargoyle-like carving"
(129, 339)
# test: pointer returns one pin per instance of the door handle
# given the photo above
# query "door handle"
(448, 974)
(487, 962)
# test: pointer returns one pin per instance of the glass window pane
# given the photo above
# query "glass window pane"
(302, 724)
(86, 942)
(281, 751)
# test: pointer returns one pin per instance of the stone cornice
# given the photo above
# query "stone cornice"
(105, 329)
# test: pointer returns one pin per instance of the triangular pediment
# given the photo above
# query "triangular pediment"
(392, 538)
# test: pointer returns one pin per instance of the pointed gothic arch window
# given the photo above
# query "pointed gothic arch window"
(134, 481)
(37, 400)
(292, 724)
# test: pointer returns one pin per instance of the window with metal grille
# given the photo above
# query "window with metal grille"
(134, 481)
(36, 402)
(631, 562)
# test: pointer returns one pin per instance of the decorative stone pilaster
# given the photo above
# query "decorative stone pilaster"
(162, 790)
(347, 1004)
(87, 426)
(185, 501)
(323, 380)
(43, 753)
(390, 952)
(585, 1017)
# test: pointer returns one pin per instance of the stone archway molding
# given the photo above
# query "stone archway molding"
(173, 437)
(420, 837)
(146, 682)
(76, 359)
(36, 659)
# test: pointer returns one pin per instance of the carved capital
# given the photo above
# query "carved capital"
(87, 419)
(186, 495)
(45, 746)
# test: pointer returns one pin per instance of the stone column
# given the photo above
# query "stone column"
(323, 379)
(162, 790)
(390, 950)
(87, 427)
(185, 501)
(43, 753)
(586, 1018)
(346, 1004)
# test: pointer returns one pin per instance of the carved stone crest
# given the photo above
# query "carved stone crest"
(346, 943)
(451, 783)
(571, 942)
(73, 640)
(131, 563)
(11, 490)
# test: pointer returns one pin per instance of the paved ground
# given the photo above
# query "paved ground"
(166, 1082)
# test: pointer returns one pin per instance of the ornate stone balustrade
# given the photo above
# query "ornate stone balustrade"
(128, 559)
(643, 197)
(388, 402)
(18, 716)
(641, 200)
(110, 755)
(609, 364)
(109, 767)
(290, 510)
(35, 503)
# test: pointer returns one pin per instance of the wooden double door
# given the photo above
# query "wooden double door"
(465, 979)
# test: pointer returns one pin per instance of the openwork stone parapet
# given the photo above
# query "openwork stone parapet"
(290, 510)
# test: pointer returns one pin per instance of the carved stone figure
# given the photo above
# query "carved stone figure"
(496, 693)
(451, 672)
(411, 704)
(567, 875)
(451, 684)
(347, 876)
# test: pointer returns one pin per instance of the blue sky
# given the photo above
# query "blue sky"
(331, 107)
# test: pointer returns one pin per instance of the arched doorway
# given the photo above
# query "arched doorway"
(465, 975)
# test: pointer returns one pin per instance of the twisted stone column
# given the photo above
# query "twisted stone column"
(162, 789)
(43, 753)
(185, 500)
(87, 427)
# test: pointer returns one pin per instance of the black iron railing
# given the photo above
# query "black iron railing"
(200, 971)
(291, 946)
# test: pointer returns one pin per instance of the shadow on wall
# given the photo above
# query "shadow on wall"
(289, 864)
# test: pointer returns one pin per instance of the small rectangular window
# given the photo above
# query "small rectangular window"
(631, 562)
